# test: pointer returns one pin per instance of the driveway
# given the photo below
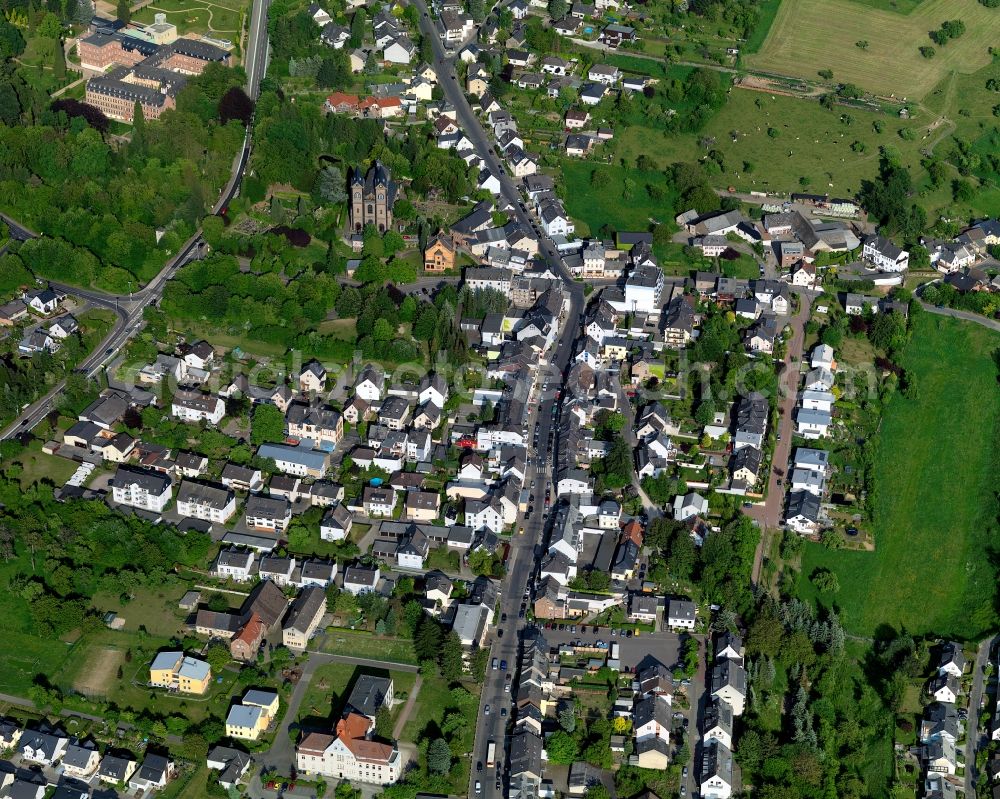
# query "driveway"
(769, 515)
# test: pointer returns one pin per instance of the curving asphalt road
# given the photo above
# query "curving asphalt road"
(130, 307)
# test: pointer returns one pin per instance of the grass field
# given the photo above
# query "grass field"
(768, 10)
(811, 35)
(592, 209)
(37, 466)
(935, 509)
(347, 642)
(220, 17)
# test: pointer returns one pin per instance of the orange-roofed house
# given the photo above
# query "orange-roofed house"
(350, 754)
(341, 103)
(381, 107)
(632, 531)
(246, 642)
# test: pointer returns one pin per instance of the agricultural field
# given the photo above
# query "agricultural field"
(812, 35)
(934, 501)
(219, 18)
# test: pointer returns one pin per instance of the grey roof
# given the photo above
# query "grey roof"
(803, 503)
(153, 768)
(204, 494)
(729, 673)
(267, 507)
(651, 709)
(153, 482)
(718, 714)
(305, 607)
(114, 768)
(369, 694)
(360, 575)
(77, 754)
(717, 761)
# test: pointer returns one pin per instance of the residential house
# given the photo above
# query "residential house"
(803, 512)
(717, 724)
(155, 772)
(681, 614)
(205, 501)
(716, 780)
(729, 683)
(361, 579)
(141, 488)
(692, 504)
(268, 514)
(304, 617)
(234, 564)
(301, 460)
(885, 256)
(192, 406)
(336, 523)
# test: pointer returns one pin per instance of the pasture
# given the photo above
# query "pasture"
(812, 35)
(811, 142)
(934, 569)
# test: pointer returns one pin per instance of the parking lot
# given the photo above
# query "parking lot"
(663, 646)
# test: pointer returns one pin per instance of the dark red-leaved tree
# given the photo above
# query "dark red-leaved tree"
(235, 105)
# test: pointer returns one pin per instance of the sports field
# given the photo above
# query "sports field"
(812, 35)
(934, 569)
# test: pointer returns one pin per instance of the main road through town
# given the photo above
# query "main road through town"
(130, 307)
(524, 549)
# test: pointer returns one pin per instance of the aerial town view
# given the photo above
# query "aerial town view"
(530, 399)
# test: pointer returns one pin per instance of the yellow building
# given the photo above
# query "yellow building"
(440, 254)
(177, 672)
(253, 716)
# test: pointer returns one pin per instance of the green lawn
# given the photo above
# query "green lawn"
(215, 17)
(340, 641)
(935, 507)
(435, 696)
(612, 205)
(767, 10)
(37, 466)
(331, 683)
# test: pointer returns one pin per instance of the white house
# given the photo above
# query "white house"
(603, 73)
(399, 51)
(885, 256)
(360, 579)
(234, 564)
(689, 505)
(203, 501)
(141, 488)
(681, 614)
(370, 384)
(717, 772)
(813, 423)
(555, 220)
(336, 523)
(484, 515)
(821, 357)
(803, 512)
(192, 406)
